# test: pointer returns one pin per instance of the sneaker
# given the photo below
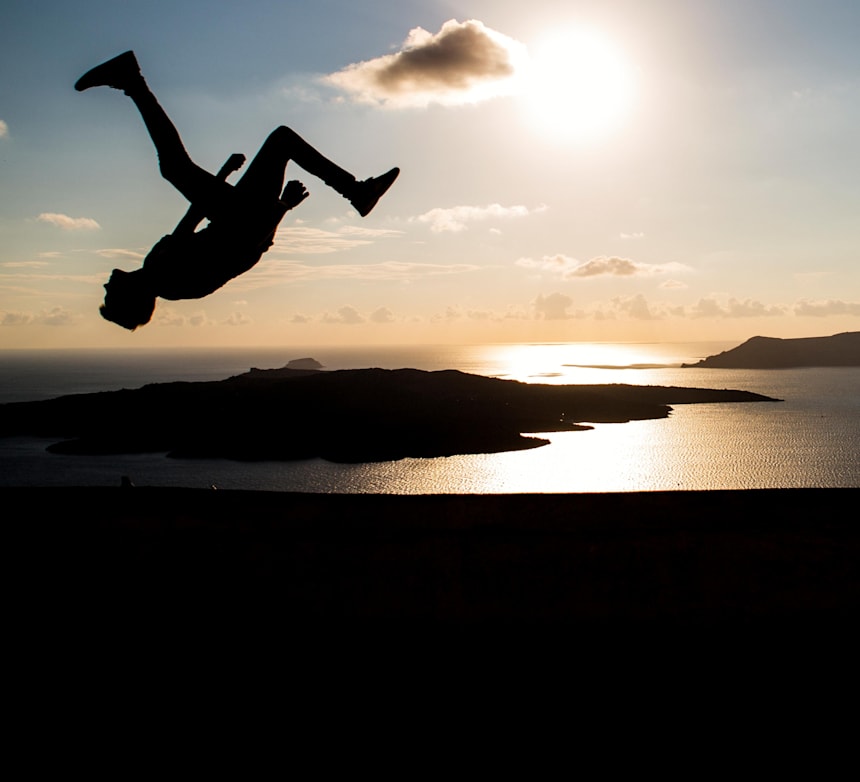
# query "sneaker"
(120, 72)
(369, 191)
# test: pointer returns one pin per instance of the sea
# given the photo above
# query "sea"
(809, 439)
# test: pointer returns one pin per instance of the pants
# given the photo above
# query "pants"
(262, 182)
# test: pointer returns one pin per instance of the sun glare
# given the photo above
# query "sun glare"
(580, 86)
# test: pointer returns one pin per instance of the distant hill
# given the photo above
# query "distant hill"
(840, 350)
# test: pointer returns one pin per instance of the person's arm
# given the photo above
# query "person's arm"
(193, 216)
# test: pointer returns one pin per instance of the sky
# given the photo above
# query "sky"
(576, 170)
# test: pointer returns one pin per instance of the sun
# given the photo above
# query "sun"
(580, 87)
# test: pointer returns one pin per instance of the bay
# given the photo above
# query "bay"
(811, 439)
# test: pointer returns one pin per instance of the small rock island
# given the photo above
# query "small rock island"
(360, 415)
(840, 350)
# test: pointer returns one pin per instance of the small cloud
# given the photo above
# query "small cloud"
(553, 307)
(120, 255)
(237, 319)
(823, 309)
(455, 218)
(15, 318)
(345, 315)
(274, 272)
(167, 317)
(24, 264)
(382, 315)
(465, 62)
(58, 316)
(570, 268)
(300, 318)
(734, 308)
(69, 223)
(4, 129)
(300, 239)
(634, 307)
(671, 285)
(636, 235)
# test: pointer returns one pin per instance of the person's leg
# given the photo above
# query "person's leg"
(264, 178)
(201, 188)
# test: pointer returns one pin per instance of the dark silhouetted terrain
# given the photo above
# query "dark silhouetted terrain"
(700, 559)
(344, 416)
(840, 350)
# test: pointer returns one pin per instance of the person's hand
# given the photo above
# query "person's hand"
(294, 193)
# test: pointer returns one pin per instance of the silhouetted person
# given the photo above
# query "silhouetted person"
(243, 217)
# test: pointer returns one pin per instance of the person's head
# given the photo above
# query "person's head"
(128, 301)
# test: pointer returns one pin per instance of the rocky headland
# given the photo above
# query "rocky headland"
(840, 350)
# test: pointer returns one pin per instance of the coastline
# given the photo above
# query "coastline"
(677, 559)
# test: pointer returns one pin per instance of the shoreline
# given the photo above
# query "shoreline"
(697, 559)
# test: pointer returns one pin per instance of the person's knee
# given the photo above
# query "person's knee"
(284, 136)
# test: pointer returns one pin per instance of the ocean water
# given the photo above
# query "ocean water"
(811, 439)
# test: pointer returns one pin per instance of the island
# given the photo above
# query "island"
(839, 350)
(348, 416)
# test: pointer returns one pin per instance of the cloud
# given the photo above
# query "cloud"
(635, 235)
(748, 308)
(167, 317)
(345, 315)
(24, 264)
(237, 319)
(57, 316)
(4, 129)
(119, 254)
(465, 62)
(553, 307)
(69, 223)
(822, 309)
(634, 306)
(601, 266)
(15, 318)
(455, 218)
(275, 272)
(316, 241)
(382, 315)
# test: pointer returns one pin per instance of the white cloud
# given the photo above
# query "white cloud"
(119, 254)
(15, 318)
(299, 239)
(601, 266)
(24, 264)
(69, 223)
(237, 319)
(465, 62)
(821, 309)
(4, 129)
(57, 316)
(455, 218)
(164, 316)
(734, 308)
(275, 272)
(634, 306)
(382, 315)
(553, 307)
(345, 315)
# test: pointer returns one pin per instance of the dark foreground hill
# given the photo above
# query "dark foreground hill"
(83, 560)
(345, 416)
(840, 350)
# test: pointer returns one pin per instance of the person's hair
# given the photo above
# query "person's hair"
(128, 303)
